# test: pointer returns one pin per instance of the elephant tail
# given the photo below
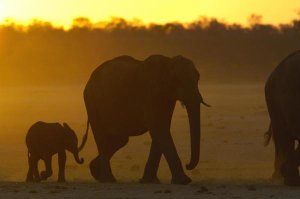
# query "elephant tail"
(84, 139)
(268, 136)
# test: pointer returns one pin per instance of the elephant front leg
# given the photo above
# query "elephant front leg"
(61, 166)
(164, 139)
(151, 168)
(48, 165)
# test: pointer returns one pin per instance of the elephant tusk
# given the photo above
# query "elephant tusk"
(204, 103)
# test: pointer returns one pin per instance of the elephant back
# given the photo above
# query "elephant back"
(286, 76)
(42, 136)
(114, 74)
(114, 92)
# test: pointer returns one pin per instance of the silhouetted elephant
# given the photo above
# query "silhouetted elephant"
(44, 140)
(127, 97)
(278, 159)
(282, 92)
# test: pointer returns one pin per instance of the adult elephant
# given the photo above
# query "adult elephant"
(126, 97)
(282, 91)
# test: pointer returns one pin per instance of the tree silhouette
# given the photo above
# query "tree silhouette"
(41, 54)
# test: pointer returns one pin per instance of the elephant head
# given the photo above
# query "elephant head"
(71, 143)
(185, 77)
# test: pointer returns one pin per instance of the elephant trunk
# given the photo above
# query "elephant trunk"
(77, 159)
(193, 110)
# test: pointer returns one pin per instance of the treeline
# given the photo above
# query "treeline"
(43, 55)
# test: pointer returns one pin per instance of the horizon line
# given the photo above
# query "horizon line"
(133, 22)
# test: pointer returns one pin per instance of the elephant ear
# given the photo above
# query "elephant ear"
(182, 68)
(157, 70)
(69, 130)
(176, 68)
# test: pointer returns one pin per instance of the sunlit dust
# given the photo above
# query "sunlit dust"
(120, 67)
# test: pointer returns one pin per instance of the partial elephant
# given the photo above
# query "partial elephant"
(44, 140)
(282, 92)
(126, 97)
(277, 175)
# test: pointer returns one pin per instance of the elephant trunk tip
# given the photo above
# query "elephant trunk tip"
(80, 161)
(77, 159)
(191, 165)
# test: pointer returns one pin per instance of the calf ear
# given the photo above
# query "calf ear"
(66, 125)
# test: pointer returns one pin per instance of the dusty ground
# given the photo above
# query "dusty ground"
(134, 191)
(234, 163)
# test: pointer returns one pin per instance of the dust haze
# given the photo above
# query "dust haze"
(43, 71)
(231, 145)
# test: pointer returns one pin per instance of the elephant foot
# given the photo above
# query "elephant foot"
(292, 181)
(149, 180)
(181, 180)
(291, 175)
(103, 178)
(106, 180)
(34, 180)
(45, 175)
(276, 176)
(61, 180)
(101, 171)
(29, 179)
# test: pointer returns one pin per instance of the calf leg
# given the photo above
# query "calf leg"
(30, 177)
(48, 172)
(35, 161)
(61, 166)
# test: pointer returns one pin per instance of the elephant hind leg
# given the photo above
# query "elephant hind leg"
(33, 172)
(279, 159)
(48, 172)
(285, 161)
(30, 177)
(100, 167)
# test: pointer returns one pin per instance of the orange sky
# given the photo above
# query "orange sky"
(61, 12)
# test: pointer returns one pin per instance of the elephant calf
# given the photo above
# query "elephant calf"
(44, 140)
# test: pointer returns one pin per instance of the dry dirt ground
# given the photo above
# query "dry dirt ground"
(203, 189)
(234, 163)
